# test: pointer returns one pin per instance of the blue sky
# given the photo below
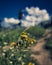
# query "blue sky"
(10, 8)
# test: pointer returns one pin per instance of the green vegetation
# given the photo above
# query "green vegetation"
(36, 31)
(12, 35)
(48, 44)
(14, 49)
(20, 55)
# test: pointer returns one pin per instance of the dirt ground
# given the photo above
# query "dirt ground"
(39, 53)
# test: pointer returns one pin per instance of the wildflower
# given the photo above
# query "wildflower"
(13, 44)
(28, 47)
(30, 63)
(31, 40)
(18, 44)
(24, 36)
(34, 40)
(23, 63)
(11, 62)
(4, 50)
(26, 39)
(24, 55)
(24, 33)
(12, 54)
(11, 48)
(25, 50)
(5, 43)
(3, 54)
(17, 47)
(20, 58)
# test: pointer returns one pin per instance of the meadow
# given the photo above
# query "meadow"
(15, 45)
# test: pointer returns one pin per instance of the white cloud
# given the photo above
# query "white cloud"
(35, 16)
(27, 23)
(32, 10)
(11, 20)
(8, 22)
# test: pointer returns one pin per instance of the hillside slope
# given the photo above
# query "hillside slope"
(39, 53)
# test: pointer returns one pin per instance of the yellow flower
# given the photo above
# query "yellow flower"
(26, 39)
(12, 44)
(25, 36)
(23, 63)
(35, 41)
(24, 33)
(18, 44)
(31, 40)
(30, 63)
